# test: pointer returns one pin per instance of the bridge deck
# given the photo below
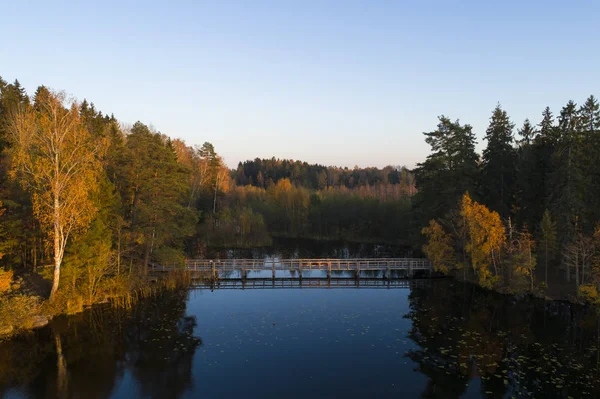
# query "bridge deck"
(216, 266)
(287, 283)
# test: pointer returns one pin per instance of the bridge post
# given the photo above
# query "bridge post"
(357, 270)
(329, 270)
(273, 269)
(389, 272)
(214, 271)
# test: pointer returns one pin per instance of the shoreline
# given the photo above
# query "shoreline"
(47, 311)
(158, 285)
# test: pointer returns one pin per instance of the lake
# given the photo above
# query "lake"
(424, 338)
(292, 248)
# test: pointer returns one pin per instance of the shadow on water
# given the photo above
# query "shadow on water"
(145, 352)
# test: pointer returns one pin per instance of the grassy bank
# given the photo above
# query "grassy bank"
(24, 304)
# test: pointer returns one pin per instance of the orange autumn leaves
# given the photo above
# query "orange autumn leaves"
(485, 236)
(58, 161)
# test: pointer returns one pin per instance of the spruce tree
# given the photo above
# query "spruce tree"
(498, 165)
(589, 115)
(528, 185)
(587, 159)
(567, 179)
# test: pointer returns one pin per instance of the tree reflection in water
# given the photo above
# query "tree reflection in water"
(460, 341)
(90, 355)
(477, 343)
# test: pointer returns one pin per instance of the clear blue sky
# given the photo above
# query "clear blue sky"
(334, 82)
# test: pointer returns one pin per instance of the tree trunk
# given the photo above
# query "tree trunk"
(568, 272)
(146, 259)
(546, 263)
(577, 272)
(35, 256)
(119, 251)
(57, 249)
(216, 190)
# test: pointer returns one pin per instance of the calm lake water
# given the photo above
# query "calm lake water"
(293, 248)
(432, 338)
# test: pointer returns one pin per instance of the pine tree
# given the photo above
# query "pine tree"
(154, 190)
(448, 172)
(498, 164)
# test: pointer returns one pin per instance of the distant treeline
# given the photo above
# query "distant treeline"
(266, 172)
(250, 216)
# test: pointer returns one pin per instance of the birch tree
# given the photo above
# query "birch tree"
(57, 160)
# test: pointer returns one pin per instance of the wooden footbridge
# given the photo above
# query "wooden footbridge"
(294, 268)
(309, 283)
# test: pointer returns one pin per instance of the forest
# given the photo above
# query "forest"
(525, 215)
(87, 203)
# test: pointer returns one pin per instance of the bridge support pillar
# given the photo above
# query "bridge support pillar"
(329, 271)
(273, 273)
(244, 274)
(388, 273)
(300, 273)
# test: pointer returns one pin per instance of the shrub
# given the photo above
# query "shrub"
(16, 312)
(589, 293)
(6, 279)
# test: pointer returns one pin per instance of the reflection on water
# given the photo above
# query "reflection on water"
(105, 352)
(293, 248)
(469, 338)
(430, 338)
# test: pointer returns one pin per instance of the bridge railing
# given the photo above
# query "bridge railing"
(225, 265)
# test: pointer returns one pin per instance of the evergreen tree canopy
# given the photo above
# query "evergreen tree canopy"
(449, 171)
(498, 166)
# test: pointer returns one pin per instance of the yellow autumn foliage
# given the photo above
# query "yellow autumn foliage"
(486, 237)
(6, 279)
(439, 248)
(589, 293)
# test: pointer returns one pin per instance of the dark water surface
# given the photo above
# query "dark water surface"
(294, 248)
(436, 338)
